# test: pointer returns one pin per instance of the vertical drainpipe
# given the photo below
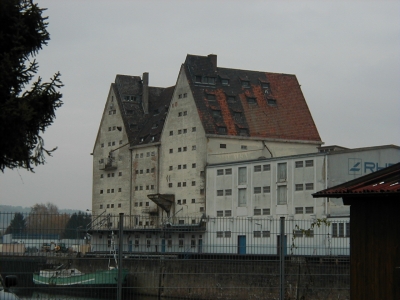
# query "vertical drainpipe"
(326, 184)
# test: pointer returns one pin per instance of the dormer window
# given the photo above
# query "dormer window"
(222, 130)
(265, 85)
(245, 83)
(205, 79)
(243, 132)
(231, 99)
(216, 113)
(271, 102)
(225, 81)
(155, 125)
(251, 100)
(211, 97)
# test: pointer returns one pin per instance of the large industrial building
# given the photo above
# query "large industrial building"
(223, 144)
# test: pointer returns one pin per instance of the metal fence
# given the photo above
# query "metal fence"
(78, 256)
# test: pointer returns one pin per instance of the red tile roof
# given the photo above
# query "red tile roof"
(279, 109)
(385, 181)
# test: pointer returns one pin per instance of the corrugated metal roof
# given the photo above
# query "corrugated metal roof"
(385, 181)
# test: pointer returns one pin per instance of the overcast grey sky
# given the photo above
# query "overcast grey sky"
(345, 54)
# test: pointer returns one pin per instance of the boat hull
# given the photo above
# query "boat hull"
(99, 278)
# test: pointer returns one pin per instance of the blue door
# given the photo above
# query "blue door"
(130, 246)
(284, 244)
(163, 245)
(241, 244)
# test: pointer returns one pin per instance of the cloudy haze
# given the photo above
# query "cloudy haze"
(345, 54)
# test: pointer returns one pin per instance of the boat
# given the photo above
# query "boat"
(61, 276)
(65, 276)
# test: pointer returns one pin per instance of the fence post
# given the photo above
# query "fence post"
(282, 259)
(120, 249)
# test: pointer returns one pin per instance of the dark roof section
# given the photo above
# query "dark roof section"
(141, 128)
(382, 182)
(249, 103)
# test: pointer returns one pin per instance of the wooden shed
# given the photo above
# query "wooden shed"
(374, 201)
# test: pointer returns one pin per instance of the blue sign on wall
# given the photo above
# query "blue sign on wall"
(357, 167)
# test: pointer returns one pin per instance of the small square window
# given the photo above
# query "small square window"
(120, 174)
(193, 147)
(266, 211)
(180, 114)
(298, 233)
(178, 202)
(171, 150)
(180, 96)
(245, 83)
(170, 185)
(228, 213)
(266, 234)
(266, 189)
(179, 184)
(102, 145)
(243, 147)
(228, 171)
(257, 234)
(220, 192)
(101, 206)
(299, 164)
(193, 200)
(184, 166)
(231, 99)
(220, 172)
(220, 234)
(201, 209)
(193, 183)
(228, 192)
(185, 95)
(309, 163)
(257, 168)
(180, 131)
(222, 146)
(179, 167)
(101, 191)
(179, 149)
(309, 186)
(228, 234)
(309, 210)
(193, 129)
(184, 149)
(119, 190)
(257, 211)
(271, 102)
(185, 113)
(299, 187)
(220, 213)
(299, 210)
(257, 190)
(171, 132)
(193, 165)
(225, 81)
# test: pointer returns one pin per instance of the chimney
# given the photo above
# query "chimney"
(213, 60)
(145, 95)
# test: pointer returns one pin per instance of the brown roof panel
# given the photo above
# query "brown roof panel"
(273, 104)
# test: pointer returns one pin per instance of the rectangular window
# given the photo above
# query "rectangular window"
(228, 171)
(180, 243)
(266, 234)
(228, 234)
(257, 168)
(222, 146)
(257, 211)
(243, 147)
(257, 234)
(220, 213)
(299, 187)
(171, 168)
(298, 233)
(228, 192)
(171, 150)
(242, 175)
(184, 149)
(220, 234)
(242, 201)
(170, 185)
(309, 186)
(222, 130)
(257, 190)
(180, 131)
(266, 189)
(334, 230)
(282, 195)
(220, 192)
(225, 81)
(228, 213)
(266, 211)
(231, 99)
(220, 172)
(179, 149)
(341, 229)
(251, 100)
(185, 130)
(171, 133)
(179, 184)
(309, 210)
(245, 83)
(193, 183)
(193, 129)
(282, 173)
(211, 97)
(193, 200)
(183, 166)
(193, 147)
(193, 165)
(179, 167)
(299, 164)
(298, 210)
(309, 163)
